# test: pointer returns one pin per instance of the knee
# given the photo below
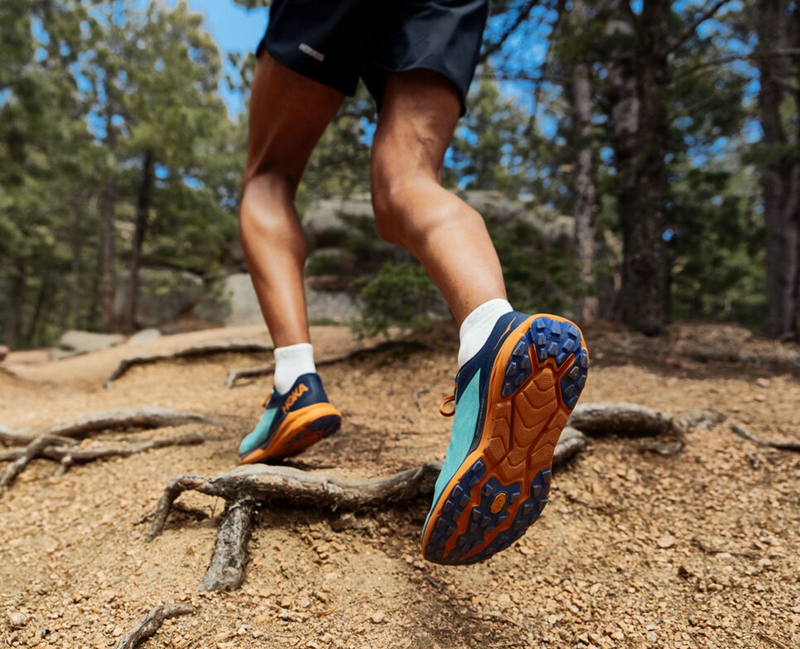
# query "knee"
(387, 206)
(267, 212)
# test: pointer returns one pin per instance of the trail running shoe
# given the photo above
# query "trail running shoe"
(291, 422)
(512, 400)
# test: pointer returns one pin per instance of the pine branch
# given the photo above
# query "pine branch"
(691, 29)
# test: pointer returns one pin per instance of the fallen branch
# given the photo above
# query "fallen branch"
(623, 419)
(253, 372)
(110, 419)
(204, 349)
(27, 456)
(741, 431)
(151, 623)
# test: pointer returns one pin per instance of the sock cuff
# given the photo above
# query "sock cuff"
(477, 327)
(293, 351)
(291, 362)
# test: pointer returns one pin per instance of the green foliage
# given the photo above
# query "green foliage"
(538, 278)
(401, 295)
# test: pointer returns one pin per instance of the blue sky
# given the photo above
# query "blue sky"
(235, 29)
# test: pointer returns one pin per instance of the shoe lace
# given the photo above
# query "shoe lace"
(445, 410)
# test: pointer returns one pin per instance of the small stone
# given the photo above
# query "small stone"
(762, 383)
(344, 522)
(17, 619)
(666, 541)
(379, 617)
(3, 352)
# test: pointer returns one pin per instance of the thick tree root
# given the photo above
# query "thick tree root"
(110, 420)
(622, 419)
(246, 486)
(204, 349)
(150, 623)
(787, 445)
(236, 375)
(227, 568)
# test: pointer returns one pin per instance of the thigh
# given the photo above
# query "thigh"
(288, 114)
(418, 115)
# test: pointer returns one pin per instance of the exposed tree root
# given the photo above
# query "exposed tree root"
(151, 623)
(227, 568)
(108, 420)
(623, 419)
(237, 375)
(26, 456)
(72, 455)
(59, 442)
(204, 349)
(787, 445)
(246, 486)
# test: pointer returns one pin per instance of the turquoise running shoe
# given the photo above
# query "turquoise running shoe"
(291, 422)
(511, 402)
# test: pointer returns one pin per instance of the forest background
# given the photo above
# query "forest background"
(669, 131)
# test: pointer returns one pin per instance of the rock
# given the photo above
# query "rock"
(75, 343)
(379, 617)
(164, 294)
(144, 336)
(232, 302)
(330, 306)
(666, 447)
(17, 619)
(3, 352)
(666, 541)
(699, 418)
(333, 222)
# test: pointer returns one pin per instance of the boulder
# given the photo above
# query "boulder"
(164, 294)
(232, 302)
(144, 336)
(75, 343)
(333, 222)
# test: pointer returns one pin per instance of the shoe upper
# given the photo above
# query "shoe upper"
(306, 391)
(472, 384)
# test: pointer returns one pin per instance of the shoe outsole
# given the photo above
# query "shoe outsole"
(305, 428)
(502, 486)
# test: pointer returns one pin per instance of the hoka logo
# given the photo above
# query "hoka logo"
(298, 392)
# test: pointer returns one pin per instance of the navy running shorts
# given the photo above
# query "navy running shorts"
(335, 42)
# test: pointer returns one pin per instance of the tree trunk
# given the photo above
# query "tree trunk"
(780, 180)
(109, 198)
(37, 311)
(15, 301)
(584, 187)
(638, 112)
(142, 210)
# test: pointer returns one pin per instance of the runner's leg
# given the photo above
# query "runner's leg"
(419, 111)
(288, 114)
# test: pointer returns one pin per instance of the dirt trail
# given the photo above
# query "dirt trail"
(635, 550)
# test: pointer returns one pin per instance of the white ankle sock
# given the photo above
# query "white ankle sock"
(477, 326)
(290, 363)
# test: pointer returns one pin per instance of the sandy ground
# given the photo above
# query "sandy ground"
(635, 550)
